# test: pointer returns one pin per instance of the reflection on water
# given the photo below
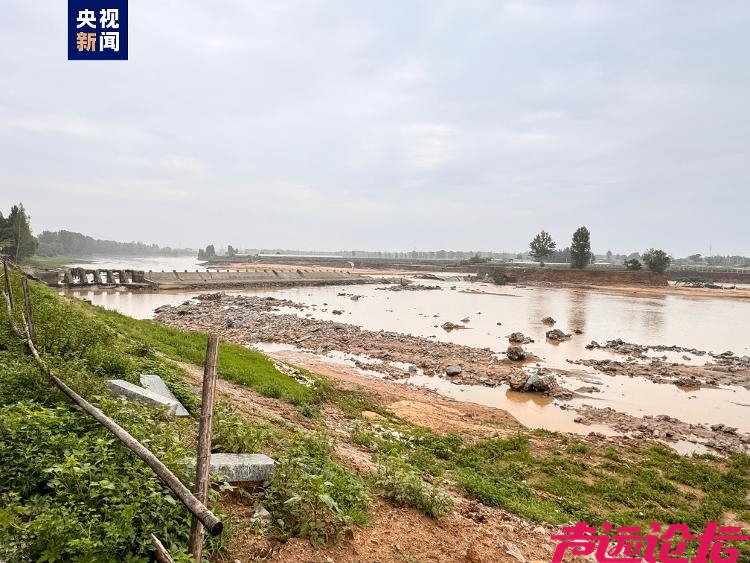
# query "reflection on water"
(530, 409)
(577, 314)
(703, 323)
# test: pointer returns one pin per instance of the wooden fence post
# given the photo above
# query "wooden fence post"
(29, 313)
(203, 465)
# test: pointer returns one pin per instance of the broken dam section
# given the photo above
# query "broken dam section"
(151, 280)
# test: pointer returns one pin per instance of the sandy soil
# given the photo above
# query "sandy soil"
(681, 291)
(250, 319)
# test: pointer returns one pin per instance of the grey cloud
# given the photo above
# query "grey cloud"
(377, 125)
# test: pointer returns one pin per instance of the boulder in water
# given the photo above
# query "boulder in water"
(557, 335)
(515, 353)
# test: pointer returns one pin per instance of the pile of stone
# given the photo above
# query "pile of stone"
(535, 381)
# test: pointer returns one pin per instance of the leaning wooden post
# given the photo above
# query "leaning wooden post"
(203, 465)
(8, 291)
(29, 313)
(160, 552)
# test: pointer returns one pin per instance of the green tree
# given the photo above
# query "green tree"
(656, 260)
(16, 238)
(580, 248)
(210, 252)
(541, 246)
(633, 264)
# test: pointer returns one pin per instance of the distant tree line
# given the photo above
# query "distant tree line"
(579, 254)
(68, 243)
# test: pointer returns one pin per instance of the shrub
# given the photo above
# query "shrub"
(398, 482)
(633, 264)
(231, 434)
(313, 496)
(69, 491)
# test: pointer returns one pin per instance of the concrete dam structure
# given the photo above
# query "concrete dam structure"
(139, 279)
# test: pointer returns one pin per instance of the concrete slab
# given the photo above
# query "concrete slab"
(156, 384)
(242, 468)
(122, 388)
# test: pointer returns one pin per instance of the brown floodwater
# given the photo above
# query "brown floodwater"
(711, 324)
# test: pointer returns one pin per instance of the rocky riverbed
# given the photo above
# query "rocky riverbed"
(725, 368)
(250, 320)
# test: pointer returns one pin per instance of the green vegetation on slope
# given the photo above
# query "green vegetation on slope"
(69, 491)
(237, 364)
(549, 477)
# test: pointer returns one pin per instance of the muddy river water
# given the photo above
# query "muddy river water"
(491, 312)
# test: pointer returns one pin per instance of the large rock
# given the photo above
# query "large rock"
(557, 335)
(515, 353)
(539, 384)
(548, 321)
(452, 371)
(156, 384)
(122, 388)
(519, 338)
(242, 468)
(516, 337)
(532, 383)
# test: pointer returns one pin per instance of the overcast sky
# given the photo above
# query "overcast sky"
(400, 124)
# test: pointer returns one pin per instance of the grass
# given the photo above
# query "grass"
(237, 364)
(399, 482)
